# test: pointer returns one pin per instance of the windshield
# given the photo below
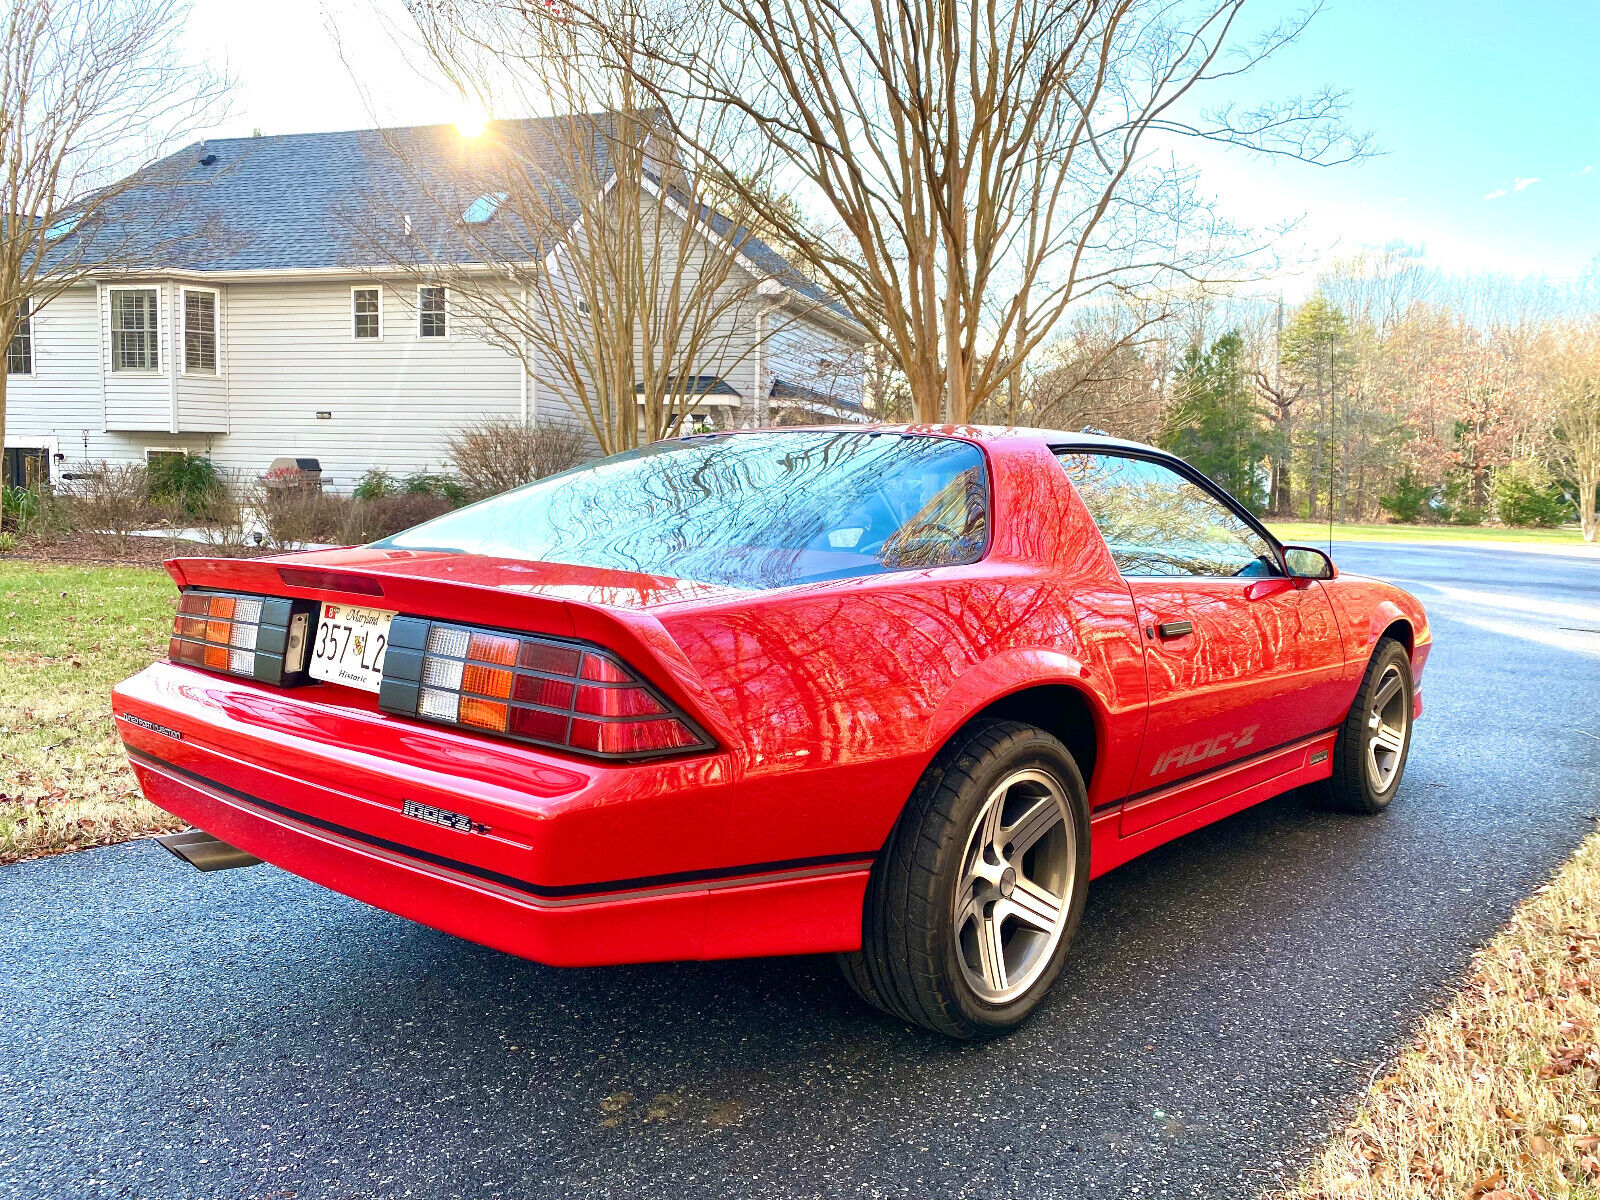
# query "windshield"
(759, 511)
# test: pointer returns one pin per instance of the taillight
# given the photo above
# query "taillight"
(258, 637)
(565, 694)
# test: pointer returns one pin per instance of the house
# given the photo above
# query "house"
(267, 329)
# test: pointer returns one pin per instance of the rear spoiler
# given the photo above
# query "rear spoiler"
(637, 637)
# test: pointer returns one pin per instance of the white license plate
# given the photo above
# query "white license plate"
(349, 645)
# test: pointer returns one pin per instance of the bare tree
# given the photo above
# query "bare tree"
(994, 161)
(1576, 394)
(607, 253)
(90, 90)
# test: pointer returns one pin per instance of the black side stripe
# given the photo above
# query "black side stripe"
(543, 891)
(1198, 776)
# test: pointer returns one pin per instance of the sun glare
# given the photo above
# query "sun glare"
(472, 121)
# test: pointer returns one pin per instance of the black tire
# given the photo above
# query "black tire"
(1353, 787)
(910, 963)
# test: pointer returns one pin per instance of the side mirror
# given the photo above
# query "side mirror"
(1305, 562)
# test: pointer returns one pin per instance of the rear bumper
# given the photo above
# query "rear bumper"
(317, 808)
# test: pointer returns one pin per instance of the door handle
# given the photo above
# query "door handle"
(1175, 629)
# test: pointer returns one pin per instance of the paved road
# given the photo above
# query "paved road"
(168, 1034)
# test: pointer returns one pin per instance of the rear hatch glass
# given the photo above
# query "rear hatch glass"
(752, 511)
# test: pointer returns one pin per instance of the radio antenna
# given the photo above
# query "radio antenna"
(1333, 396)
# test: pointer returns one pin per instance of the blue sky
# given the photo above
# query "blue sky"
(1467, 100)
(1489, 119)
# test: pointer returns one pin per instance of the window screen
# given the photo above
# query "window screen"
(365, 306)
(133, 330)
(19, 354)
(200, 332)
(431, 312)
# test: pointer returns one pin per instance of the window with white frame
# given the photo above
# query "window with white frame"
(199, 332)
(19, 354)
(366, 312)
(133, 330)
(431, 319)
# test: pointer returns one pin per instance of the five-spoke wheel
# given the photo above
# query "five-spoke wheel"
(973, 902)
(1369, 755)
(1018, 865)
(1388, 726)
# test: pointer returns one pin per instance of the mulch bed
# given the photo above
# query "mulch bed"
(93, 549)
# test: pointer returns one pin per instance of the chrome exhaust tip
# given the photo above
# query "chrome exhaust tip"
(204, 852)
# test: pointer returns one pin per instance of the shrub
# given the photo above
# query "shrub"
(8, 542)
(370, 520)
(19, 506)
(1411, 502)
(188, 482)
(375, 485)
(1453, 504)
(445, 487)
(233, 514)
(1526, 494)
(297, 519)
(292, 519)
(496, 454)
(114, 498)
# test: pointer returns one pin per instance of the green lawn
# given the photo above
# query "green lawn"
(1310, 533)
(66, 635)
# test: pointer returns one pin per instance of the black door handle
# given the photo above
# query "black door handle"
(1175, 629)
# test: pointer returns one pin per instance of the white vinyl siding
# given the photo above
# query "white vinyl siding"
(394, 402)
(286, 350)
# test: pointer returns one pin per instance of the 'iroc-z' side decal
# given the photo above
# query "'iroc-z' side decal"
(1183, 756)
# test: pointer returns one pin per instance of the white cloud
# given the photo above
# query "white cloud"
(1496, 194)
(1522, 184)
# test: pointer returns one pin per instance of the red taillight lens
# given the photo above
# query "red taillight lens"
(257, 637)
(573, 696)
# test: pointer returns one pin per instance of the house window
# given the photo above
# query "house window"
(366, 309)
(199, 332)
(133, 330)
(19, 354)
(431, 312)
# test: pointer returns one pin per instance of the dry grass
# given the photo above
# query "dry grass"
(67, 633)
(1499, 1096)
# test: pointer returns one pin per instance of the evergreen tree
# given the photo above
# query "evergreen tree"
(1216, 424)
(1319, 360)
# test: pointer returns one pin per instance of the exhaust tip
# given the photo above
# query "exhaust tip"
(204, 852)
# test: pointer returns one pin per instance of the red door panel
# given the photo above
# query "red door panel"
(1260, 666)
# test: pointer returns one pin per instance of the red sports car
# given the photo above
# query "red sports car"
(895, 693)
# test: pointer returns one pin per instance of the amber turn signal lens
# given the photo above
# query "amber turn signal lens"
(537, 689)
(482, 714)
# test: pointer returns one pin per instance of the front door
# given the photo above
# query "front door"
(1239, 658)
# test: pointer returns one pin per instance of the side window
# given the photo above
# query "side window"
(1156, 522)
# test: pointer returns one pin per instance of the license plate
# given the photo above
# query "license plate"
(349, 645)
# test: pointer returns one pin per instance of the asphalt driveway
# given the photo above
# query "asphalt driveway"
(246, 1034)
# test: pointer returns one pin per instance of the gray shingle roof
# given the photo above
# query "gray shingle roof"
(784, 389)
(328, 200)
